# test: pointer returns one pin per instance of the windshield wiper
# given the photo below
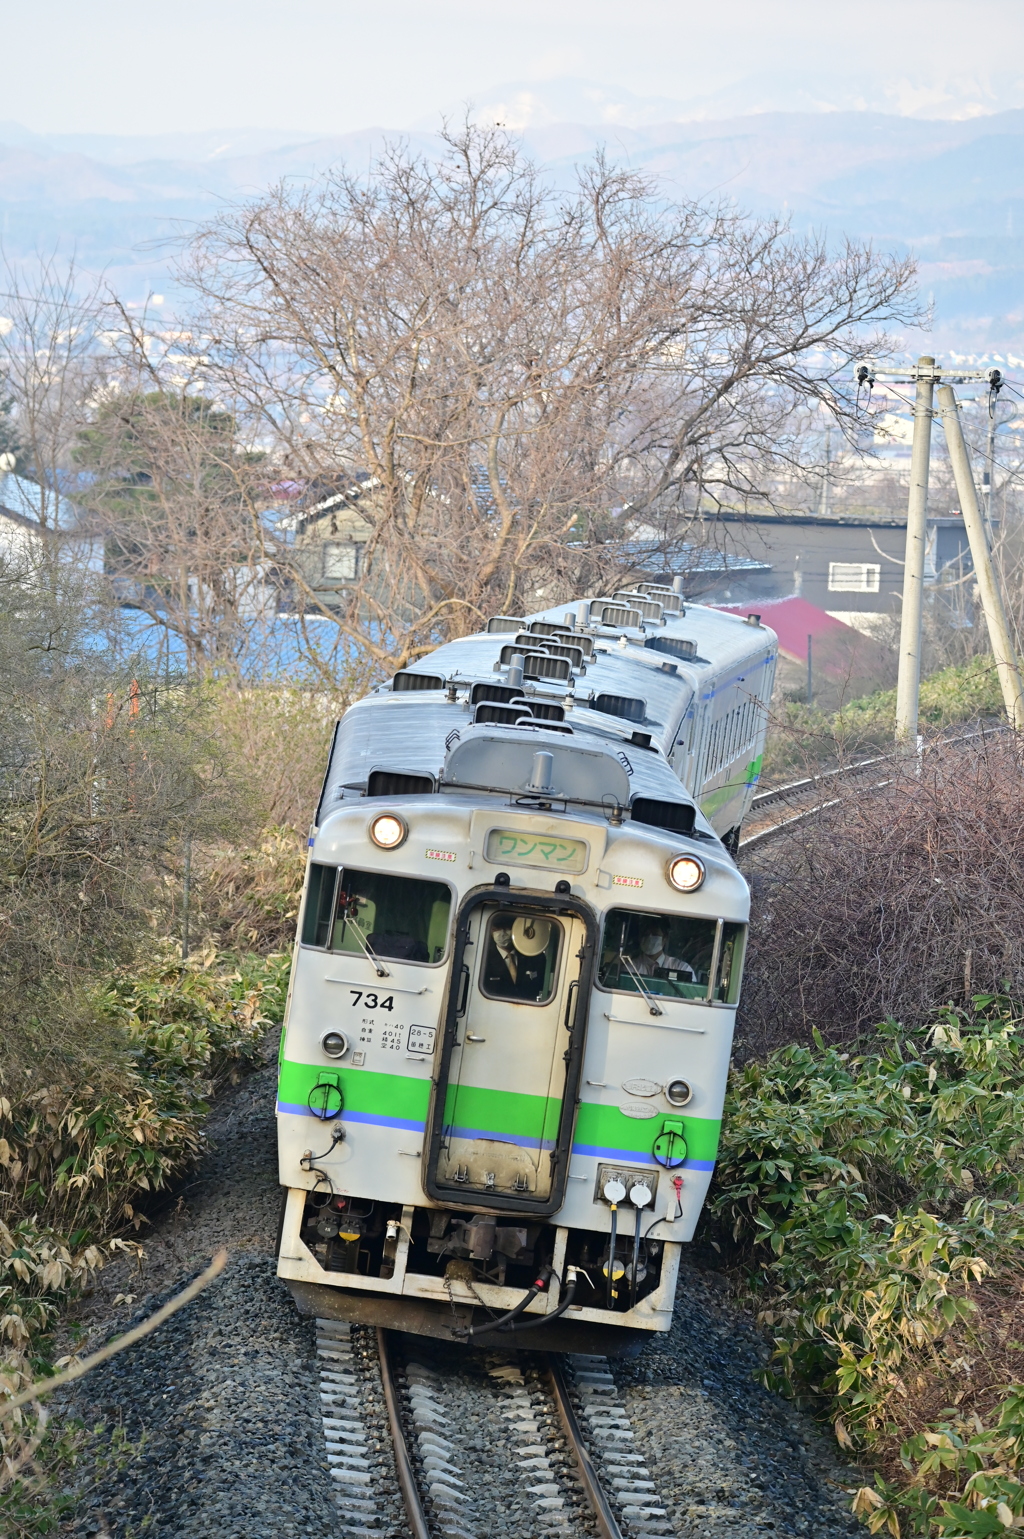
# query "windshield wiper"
(632, 972)
(378, 965)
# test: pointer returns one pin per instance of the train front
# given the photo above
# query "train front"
(506, 1043)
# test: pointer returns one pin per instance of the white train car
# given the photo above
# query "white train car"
(519, 956)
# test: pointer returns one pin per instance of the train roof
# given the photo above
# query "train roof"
(624, 706)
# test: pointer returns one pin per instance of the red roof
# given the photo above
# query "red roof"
(792, 619)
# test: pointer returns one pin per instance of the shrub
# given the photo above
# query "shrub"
(892, 902)
(79, 1148)
(876, 1199)
(802, 738)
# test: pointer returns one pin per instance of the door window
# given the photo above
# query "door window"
(520, 958)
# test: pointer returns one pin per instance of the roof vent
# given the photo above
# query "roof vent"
(394, 783)
(677, 817)
(626, 706)
(573, 654)
(548, 628)
(537, 665)
(649, 608)
(406, 681)
(544, 710)
(672, 646)
(503, 623)
(534, 724)
(604, 612)
(500, 715)
(498, 694)
(669, 600)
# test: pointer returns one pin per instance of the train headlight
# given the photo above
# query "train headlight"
(389, 831)
(686, 872)
(334, 1044)
(678, 1092)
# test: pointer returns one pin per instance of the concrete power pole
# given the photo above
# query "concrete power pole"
(991, 598)
(908, 684)
(995, 384)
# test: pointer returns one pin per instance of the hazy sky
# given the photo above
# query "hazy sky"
(111, 66)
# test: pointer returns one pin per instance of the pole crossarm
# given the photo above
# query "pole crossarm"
(935, 372)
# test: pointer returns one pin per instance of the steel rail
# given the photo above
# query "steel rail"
(403, 1463)
(607, 1526)
(809, 782)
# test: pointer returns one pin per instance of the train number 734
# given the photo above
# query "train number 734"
(371, 1001)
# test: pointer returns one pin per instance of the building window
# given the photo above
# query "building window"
(340, 561)
(853, 577)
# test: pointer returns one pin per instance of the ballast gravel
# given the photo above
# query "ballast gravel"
(222, 1403)
(731, 1460)
(221, 1415)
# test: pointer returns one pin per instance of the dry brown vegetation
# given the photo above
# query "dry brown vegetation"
(892, 903)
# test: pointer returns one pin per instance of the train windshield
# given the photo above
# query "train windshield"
(400, 917)
(671, 954)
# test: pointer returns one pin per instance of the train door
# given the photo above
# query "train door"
(505, 1100)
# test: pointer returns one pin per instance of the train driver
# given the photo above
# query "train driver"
(654, 961)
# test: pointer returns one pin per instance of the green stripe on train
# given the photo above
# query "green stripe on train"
(496, 1111)
(503, 1111)
(387, 1095)
(605, 1127)
(717, 799)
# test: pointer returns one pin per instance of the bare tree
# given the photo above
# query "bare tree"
(175, 499)
(497, 387)
(51, 366)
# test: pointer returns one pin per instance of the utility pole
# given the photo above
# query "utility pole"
(991, 598)
(824, 499)
(810, 674)
(926, 376)
(995, 384)
(908, 683)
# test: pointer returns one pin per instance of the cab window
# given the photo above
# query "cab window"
(671, 955)
(399, 917)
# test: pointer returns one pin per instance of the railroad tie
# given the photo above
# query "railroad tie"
(631, 1490)
(346, 1435)
(522, 1407)
(454, 1511)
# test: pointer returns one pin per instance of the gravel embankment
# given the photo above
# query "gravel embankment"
(223, 1401)
(730, 1459)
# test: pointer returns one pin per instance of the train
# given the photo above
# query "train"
(516, 971)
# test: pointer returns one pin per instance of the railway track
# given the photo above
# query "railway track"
(805, 798)
(476, 1444)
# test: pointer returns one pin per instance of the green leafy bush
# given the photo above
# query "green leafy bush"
(76, 1157)
(877, 1199)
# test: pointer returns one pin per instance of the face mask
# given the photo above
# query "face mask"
(651, 945)
(503, 939)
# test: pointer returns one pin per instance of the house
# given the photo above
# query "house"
(34, 519)
(850, 567)
(841, 661)
(327, 534)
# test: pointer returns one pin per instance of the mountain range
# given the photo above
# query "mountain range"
(951, 190)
